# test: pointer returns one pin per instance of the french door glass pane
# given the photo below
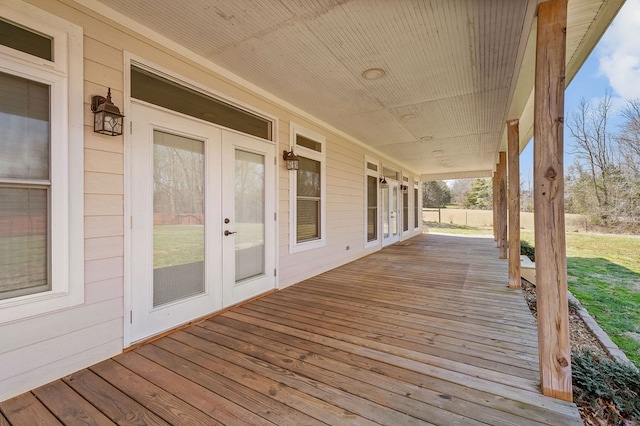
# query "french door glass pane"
(416, 206)
(405, 211)
(372, 208)
(394, 210)
(249, 194)
(178, 217)
(385, 212)
(23, 241)
(24, 124)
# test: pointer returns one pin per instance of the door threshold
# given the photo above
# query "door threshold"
(195, 321)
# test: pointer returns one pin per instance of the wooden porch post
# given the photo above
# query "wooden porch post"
(551, 264)
(513, 150)
(502, 205)
(495, 205)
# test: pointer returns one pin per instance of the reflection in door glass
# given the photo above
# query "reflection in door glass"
(250, 187)
(178, 217)
(385, 212)
(394, 211)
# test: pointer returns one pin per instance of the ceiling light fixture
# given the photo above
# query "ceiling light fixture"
(373, 74)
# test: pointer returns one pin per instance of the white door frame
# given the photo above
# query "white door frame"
(213, 214)
(237, 291)
(391, 239)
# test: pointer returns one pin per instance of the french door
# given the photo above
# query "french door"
(390, 225)
(202, 231)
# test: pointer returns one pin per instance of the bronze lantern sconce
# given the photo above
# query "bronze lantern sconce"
(107, 118)
(291, 160)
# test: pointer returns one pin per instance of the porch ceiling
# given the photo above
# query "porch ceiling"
(455, 71)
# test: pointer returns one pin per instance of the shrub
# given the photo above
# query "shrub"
(528, 250)
(610, 389)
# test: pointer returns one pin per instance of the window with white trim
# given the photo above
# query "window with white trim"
(309, 189)
(41, 163)
(371, 203)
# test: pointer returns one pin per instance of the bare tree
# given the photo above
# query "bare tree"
(629, 136)
(589, 128)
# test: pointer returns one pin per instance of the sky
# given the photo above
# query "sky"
(613, 65)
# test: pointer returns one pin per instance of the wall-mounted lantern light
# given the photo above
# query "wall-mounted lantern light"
(107, 118)
(291, 160)
(383, 182)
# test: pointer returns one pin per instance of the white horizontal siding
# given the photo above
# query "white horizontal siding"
(41, 349)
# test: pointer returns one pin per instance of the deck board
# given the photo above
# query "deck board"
(422, 332)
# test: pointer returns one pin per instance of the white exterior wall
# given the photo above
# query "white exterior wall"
(40, 349)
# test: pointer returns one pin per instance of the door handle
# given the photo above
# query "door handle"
(227, 232)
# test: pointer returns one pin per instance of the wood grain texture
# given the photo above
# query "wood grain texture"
(551, 267)
(502, 205)
(422, 332)
(494, 187)
(25, 409)
(513, 152)
(68, 406)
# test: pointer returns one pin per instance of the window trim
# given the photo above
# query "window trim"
(372, 173)
(65, 76)
(294, 245)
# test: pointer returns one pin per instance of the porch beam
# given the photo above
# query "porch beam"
(551, 268)
(502, 205)
(513, 152)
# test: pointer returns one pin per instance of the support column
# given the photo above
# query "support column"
(551, 263)
(494, 181)
(513, 151)
(502, 205)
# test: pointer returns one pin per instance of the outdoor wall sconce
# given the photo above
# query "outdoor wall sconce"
(107, 118)
(404, 189)
(291, 160)
(383, 182)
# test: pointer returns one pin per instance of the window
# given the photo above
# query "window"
(371, 203)
(150, 87)
(41, 163)
(24, 186)
(308, 185)
(416, 206)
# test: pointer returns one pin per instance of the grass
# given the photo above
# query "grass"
(177, 245)
(457, 229)
(181, 244)
(604, 274)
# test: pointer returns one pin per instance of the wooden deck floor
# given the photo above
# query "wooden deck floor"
(422, 332)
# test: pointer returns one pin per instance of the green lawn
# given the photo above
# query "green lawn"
(182, 244)
(604, 274)
(450, 228)
(177, 245)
